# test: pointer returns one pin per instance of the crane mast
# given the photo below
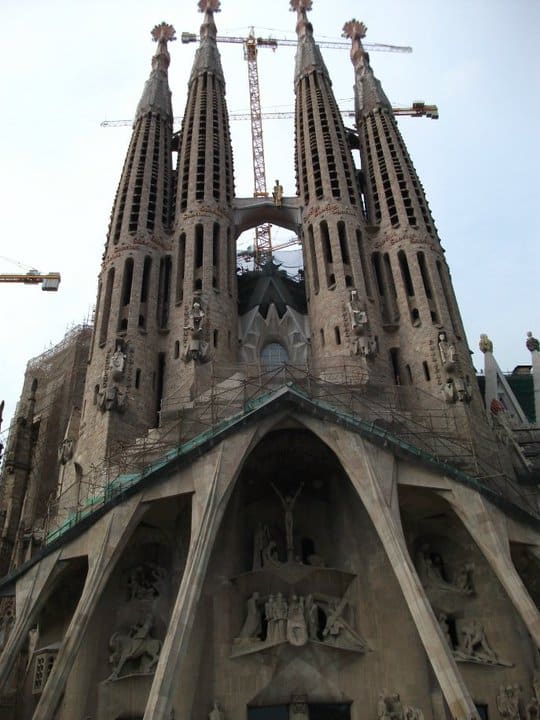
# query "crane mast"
(263, 235)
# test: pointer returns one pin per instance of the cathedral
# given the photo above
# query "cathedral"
(241, 495)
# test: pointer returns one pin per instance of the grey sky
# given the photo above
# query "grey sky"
(68, 65)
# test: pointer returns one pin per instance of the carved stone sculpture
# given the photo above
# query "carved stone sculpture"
(298, 709)
(251, 629)
(136, 645)
(485, 344)
(362, 342)
(277, 193)
(473, 644)
(145, 581)
(216, 713)
(390, 707)
(532, 343)
(117, 364)
(447, 351)
(288, 502)
(338, 630)
(429, 567)
(508, 702)
(296, 622)
(196, 345)
(111, 399)
(65, 450)
(276, 611)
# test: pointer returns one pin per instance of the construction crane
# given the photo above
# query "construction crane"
(263, 235)
(417, 109)
(49, 281)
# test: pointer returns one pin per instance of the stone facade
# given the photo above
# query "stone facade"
(275, 498)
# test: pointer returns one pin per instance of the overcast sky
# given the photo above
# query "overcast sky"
(68, 65)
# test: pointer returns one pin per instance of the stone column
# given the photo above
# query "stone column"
(32, 592)
(112, 535)
(213, 489)
(372, 473)
(487, 527)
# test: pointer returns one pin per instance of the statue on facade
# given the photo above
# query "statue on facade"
(196, 345)
(508, 702)
(337, 630)
(276, 613)
(296, 622)
(65, 450)
(146, 581)
(473, 644)
(430, 571)
(532, 709)
(111, 399)
(389, 707)
(216, 713)
(447, 351)
(485, 344)
(288, 502)
(136, 645)
(362, 342)
(532, 343)
(277, 193)
(252, 627)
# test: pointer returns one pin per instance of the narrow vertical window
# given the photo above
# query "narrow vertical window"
(164, 291)
(145, 284)
(363, 263)
(325, 239)
(159, 384)
(405, 273)
(313, 259)
(199, 236)
(180, 267)
(322, 337)
(106, 311)
(394, 361)
(337, 334)
(427, 374)
(215, 255)
(342, 234)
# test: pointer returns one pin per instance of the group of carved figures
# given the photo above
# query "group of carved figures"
(390, 707)
(466, 637)
(296, 620)
(113, 394)
(511, 705)
(136, 647)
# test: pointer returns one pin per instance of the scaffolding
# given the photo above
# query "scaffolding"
(407, 418)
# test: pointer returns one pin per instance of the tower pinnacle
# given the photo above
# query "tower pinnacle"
(208, 27)
(162, 34)
(303, 26)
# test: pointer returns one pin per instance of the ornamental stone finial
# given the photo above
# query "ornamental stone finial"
(354, 30)
(213, 6)
(532, 343)
(163, 33)
(301, 5)
(485, 344)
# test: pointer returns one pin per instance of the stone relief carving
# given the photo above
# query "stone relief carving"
(362, 342)
(473, 644)
(277, 193)
(146, 581)
(117, 362)
(430, 569)
(297, 620)
(216, 713)
(508, 702)
(112, 399)
(390, 707)
(532, 710)
(65, 450)
(447, 351)
(135, 647)
(288, 502)
(196, 346)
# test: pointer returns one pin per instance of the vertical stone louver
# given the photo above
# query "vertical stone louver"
(124, 379)
(343, 314)
(425, 340)
(203, 302)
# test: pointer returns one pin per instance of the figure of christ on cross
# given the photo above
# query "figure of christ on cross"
(288, 503)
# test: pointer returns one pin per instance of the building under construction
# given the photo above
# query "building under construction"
(255, 497)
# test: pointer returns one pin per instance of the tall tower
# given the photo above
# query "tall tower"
(125, 376)
(344, 315)
(424, 333)
(203, 302)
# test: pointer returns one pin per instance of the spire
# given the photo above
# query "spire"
(369, 92)
(308, 55)
(156, 96)
(207, 57)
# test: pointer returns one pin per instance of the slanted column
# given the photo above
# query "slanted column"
(373, 476)
(533, 346)
(487, 527)
(32, 592)
(113, 534)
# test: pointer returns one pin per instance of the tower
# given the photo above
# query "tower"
(282, 497)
